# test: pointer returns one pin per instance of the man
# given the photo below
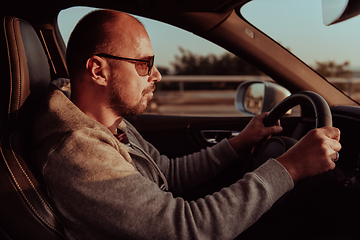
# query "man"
(107, 182)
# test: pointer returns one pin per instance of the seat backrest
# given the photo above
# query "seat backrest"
(25, 212)
(26, 72)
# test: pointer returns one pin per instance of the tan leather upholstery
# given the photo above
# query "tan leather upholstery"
(26, 70)
(25, 212)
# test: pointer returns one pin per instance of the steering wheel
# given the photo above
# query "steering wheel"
(276, 146)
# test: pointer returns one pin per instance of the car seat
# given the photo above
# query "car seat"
(25, 212)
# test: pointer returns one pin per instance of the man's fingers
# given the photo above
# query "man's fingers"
(274, 129)
(262, 116)
(334, 135)
(332, 132)
(278, 123)
(335, 145)
(335, 156)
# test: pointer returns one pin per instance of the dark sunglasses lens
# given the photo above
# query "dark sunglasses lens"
(142, 68)
(151, 64)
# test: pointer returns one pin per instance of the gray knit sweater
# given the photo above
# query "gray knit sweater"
(106, 190)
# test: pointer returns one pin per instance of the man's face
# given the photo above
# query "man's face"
(130, 93)
(125, 101)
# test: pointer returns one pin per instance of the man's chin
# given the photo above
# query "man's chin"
(139, 109)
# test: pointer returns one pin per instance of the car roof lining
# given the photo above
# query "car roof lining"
(175, 12)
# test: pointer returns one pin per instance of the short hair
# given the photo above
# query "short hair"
(91, 35)
(86, 39)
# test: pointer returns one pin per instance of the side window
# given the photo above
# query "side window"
(198, 77)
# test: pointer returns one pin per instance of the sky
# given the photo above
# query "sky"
(165, 39)
(304, 32)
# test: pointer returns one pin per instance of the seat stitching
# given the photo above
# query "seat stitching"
(33, 186)
(22, 192)
(10, 66)
(19, 62)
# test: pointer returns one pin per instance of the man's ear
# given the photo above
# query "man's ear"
(97, 67)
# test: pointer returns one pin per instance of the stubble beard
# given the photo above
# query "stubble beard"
(118, 105)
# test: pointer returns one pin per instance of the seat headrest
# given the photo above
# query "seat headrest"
(26, 69)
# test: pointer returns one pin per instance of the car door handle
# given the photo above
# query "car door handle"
(215, 136)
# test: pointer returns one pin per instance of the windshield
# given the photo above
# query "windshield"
(298, 26)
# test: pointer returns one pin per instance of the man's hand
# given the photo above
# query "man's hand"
(253, 133)
(313, 154)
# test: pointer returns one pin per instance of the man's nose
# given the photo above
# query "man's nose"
(155, 75)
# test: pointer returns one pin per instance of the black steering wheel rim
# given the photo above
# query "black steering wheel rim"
(322, 110)
(275, 146)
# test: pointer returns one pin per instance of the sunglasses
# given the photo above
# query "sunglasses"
(142, 66)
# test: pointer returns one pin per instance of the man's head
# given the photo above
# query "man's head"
(110, 57)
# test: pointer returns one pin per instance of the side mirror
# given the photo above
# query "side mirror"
(256, 97)
(335, 11)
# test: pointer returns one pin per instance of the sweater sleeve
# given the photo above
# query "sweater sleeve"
(187, 172)
(190, 171)
(100, 195)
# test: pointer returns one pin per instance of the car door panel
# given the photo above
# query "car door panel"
(176, 136)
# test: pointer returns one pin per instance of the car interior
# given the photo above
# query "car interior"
(32, 55)
(23, 201)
